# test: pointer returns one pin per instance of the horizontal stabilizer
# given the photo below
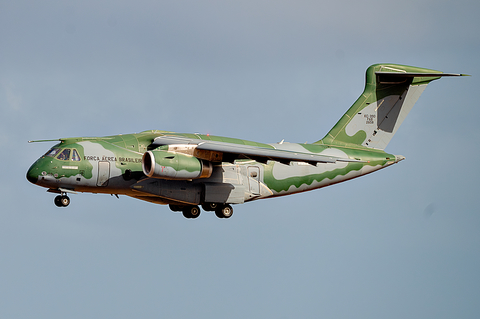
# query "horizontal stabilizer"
(413, 74)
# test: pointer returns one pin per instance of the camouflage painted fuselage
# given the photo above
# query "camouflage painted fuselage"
(113, 165)
(185, 170)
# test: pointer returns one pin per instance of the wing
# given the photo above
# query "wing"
(228, 152)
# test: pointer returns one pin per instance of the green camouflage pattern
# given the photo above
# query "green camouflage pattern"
(182, 176)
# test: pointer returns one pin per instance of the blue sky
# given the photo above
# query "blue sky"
(400, 243)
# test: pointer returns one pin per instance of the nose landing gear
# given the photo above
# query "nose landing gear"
(62, 201)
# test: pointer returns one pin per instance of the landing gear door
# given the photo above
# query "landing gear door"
(103, 173)
(254, 179)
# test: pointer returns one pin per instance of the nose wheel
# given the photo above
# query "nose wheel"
(62, 201)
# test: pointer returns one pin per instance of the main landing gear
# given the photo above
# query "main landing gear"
(62, 201)
(221, 210)
(224, 211)
(191, 211)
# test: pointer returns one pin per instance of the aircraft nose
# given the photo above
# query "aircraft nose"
(32, 174)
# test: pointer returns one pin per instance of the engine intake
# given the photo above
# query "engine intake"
(177, 166)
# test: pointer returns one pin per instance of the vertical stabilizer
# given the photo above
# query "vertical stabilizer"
(390, 92)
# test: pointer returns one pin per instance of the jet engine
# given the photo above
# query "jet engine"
(177, 166)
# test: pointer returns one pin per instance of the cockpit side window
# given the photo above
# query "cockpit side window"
(75, 156)
(64, 155)
(52, 152)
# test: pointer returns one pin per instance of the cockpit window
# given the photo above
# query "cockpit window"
(75, 156)
(52, 152)
(64, 155)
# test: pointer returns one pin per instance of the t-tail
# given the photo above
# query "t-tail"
(390, 92)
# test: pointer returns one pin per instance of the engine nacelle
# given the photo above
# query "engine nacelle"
(168, 165)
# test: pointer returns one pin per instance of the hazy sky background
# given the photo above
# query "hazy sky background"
(403, 242)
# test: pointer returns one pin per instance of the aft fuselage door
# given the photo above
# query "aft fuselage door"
(103, 173)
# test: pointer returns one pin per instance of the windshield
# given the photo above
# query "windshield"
(52, 152)
(75, 156)
(64, 155)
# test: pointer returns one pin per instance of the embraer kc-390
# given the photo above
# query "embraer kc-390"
(187, 170)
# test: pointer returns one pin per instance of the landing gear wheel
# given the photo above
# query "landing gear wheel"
(224, 211)
(65, 200)
(191, 211)
(57, 201)
(62, 201)
(209, 207)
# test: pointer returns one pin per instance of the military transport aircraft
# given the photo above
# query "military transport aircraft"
(186, 170)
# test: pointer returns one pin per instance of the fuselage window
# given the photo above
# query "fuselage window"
(75, 156)
(52, 152)
(64, 155)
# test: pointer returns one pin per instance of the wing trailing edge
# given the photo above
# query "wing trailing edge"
(231, 151)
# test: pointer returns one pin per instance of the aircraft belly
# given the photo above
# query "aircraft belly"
(179, 191)
(224, 193)
(228, 184)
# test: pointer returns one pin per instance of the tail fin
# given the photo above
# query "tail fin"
(390, 92)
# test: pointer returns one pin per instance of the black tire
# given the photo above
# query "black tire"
(191, 212)
(224, 211)
(209, 207)
(58, 201)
